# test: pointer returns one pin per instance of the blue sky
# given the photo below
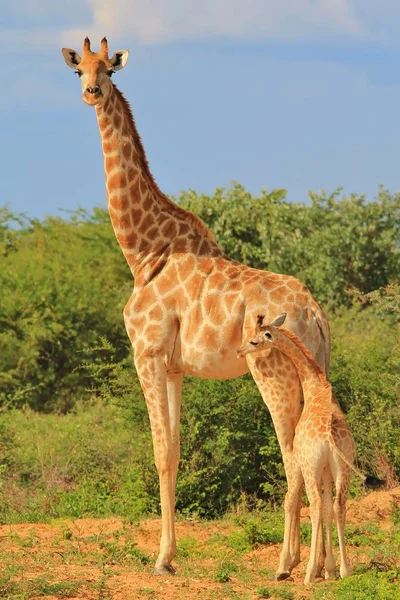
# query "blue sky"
(294, 94)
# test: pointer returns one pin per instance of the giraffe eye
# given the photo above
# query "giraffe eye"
(79, 73)
(268, 335)
(109, 73)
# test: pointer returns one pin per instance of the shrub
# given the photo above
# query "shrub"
(80, 464)
(365, 376)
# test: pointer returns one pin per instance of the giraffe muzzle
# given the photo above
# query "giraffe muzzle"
(95, 90)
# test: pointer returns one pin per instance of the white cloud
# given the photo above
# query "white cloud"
(163, 21)
(42, 24)
(30, 27)
(160, 21)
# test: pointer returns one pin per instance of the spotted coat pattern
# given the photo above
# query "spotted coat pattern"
(191, 304)
(323, 453)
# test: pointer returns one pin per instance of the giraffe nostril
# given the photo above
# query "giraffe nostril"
(93, 90)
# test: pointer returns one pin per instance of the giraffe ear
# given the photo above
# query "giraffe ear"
(119, 59)
(71, 57)
(279, 320)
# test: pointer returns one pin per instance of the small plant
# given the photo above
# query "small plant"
(115, 553)
(266, 573)
(395, 513)
(238, 541)
(224, 572)
(367, 586)
(276, 592)
(37, 588)
(305, 533)
(102, 589)
(23, 541)
(258, 532)
(187, 547)
(363, 534)
(67, 534)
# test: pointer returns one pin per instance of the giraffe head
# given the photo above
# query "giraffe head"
(95, 69)
(264, 337)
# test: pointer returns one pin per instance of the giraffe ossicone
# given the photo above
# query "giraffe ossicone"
(191, 304)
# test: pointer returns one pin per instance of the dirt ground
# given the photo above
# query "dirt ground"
(109, 559)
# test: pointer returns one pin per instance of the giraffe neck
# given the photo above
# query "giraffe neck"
(131, 189)
(145, 221)
(310, 375)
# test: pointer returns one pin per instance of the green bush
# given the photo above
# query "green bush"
(87, 463)
(333, 244)
(64, 283)
(368, 586)
(365, 373)
(225, 428)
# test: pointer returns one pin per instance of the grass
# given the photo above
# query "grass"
(257, 529)
(114, 553)
(224, 572)
(375, 555)
(232, 562)
(36, 588)
(368, 586)
(69, 466)
(148, 592)
(283, 592)
(24, 542)
(188, 548)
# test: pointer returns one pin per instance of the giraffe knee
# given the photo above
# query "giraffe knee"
(166, 462)
(339, 506)
(316, 508)
(291, 501)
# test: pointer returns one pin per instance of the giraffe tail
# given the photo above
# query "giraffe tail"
(368, 480)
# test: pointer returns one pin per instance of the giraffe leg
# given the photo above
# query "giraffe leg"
(321, 555)
(328, 516)
(339, 508)
(277, 380)
(287, 560)
(313, 490)
(295, 532)
(163, 395)
(174, 391)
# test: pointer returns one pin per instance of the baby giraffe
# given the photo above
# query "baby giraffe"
(323, 448)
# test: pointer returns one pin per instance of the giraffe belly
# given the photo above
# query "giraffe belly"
(217, 364)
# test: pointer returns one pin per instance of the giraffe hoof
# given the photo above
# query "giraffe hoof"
(164, 570)
(285, 576)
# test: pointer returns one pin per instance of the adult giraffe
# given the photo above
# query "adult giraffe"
(191, 304)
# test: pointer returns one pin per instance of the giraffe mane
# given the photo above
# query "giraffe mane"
(171, 206)
(325, 393)
(296, 340)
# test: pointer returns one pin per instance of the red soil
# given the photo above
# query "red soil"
(72, 551)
